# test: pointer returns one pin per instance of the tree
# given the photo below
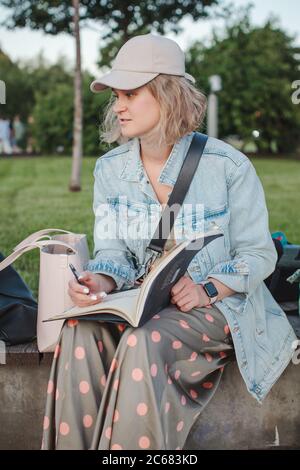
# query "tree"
(77, 126)
(53, 113)
(257, 66)
(121, 20)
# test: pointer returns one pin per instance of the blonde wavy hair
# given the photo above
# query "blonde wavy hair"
(182, 110)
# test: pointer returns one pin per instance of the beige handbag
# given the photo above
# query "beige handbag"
(56, 252)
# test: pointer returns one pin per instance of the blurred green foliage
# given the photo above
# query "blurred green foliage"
(42, 94)
(257, 66)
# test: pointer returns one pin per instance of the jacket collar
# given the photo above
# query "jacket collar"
(133, 169)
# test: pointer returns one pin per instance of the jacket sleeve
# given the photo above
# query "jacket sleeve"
(111, 255)
(251, 246)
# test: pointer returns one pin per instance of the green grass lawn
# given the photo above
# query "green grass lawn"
(34, 195)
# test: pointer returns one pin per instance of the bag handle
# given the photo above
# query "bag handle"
(34, 237)
(30, 246)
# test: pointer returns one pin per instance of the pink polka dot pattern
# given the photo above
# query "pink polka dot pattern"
(144, 442)
(193, 356)
(195, 374)
(103, 380)
(87, 421)
(184, 324)
(155, 336)
(153, 370)
(56, 351)
(179, 426)
(132, 341)
(116, 384)
(156, 317)
(137, 375)
(64, 429)
(71, 323)
(84, 387)
(116, 416)
(142, 409)
(208, 385)
(226, 329)
(208, 357)
(113, 365)
(177, 344)
(50, 387)
(209, 318)
(46, 423)
(116, 447)
(79, 352)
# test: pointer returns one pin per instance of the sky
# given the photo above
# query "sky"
(25, 44)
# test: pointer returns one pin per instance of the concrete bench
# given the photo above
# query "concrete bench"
(233, 419)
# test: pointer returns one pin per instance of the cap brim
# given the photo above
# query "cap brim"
(122, 80)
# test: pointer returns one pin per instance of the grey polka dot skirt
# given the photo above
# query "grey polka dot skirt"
(114, 387)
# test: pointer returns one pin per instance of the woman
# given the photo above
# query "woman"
(124, 388)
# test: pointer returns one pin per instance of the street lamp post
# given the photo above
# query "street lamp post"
(212, 108)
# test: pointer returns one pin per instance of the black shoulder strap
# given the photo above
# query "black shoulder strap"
(178, 194)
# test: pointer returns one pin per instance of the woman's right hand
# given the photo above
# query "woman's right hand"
(90, 292)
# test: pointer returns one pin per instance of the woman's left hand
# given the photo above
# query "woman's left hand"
(187, 295)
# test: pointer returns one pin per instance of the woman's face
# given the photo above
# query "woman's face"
(138, 108)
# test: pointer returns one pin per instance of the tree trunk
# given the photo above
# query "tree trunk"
(75, 183)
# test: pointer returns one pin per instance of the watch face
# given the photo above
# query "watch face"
(210, 289)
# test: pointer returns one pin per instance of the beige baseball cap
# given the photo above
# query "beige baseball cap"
(140, 60)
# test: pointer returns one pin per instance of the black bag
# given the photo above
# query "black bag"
(288, 262)
(18, 309)
(273, 280)
(287, 265)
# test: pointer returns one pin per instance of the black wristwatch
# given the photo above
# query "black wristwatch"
(210, 290)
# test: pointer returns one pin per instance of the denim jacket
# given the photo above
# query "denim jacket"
(226, 194)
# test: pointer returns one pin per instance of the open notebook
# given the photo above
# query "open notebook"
(136, 306)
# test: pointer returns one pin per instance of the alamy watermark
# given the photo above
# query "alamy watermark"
(296, 95)
(2, 92)
(125, 220)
